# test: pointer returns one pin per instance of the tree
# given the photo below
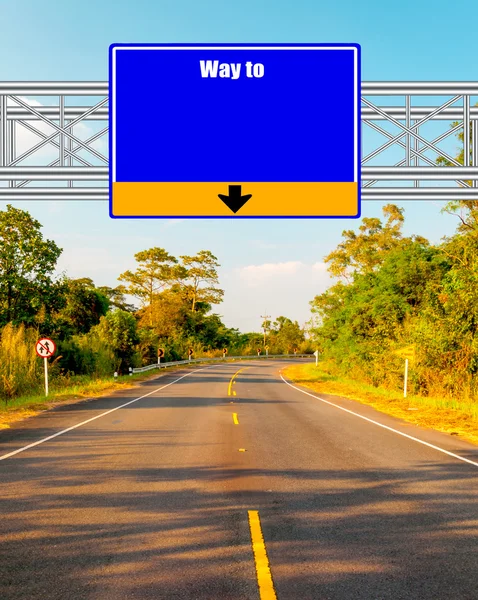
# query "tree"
(363, 252)
(119, 330)
(384, 301)
(116, 297)
(443, 161)
(154, 273)
(85, 305)
(27, 263)
(166, 313)
(288, 334)
(200, 278)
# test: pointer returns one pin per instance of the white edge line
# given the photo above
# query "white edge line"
(97, 416)
(410, 437)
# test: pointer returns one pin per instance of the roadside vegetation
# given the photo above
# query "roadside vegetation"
(391, 292)
(65, 390)
(164, 302)
(394, 291)
(451, 415)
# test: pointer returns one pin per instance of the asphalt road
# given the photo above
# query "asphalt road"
(152, 500)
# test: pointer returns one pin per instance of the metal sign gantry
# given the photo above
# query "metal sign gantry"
(61, 161)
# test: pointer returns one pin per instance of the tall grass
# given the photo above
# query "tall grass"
(20, 368)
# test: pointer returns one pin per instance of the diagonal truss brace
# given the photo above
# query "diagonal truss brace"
(16, 115)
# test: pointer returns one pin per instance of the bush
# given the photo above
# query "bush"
(20, 367)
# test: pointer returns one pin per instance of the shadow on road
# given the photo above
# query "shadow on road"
(76, 529)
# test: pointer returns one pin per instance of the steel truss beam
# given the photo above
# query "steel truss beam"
(78, 161)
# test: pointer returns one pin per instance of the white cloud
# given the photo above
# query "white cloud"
(282, 288)
(258, 275)
(90, 260)
(319, 266)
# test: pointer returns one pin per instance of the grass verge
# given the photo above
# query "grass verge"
(80, 388)
(448, 415)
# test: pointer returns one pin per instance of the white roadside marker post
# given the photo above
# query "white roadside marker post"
(405, 379)
(316, 354)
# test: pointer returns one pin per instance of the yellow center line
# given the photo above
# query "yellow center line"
(263, 572)
(232, 382)
(235, 419)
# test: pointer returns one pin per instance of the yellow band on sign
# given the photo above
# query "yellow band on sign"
(190, 199)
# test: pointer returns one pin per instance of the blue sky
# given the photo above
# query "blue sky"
(273, 265)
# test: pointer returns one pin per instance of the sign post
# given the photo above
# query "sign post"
(44, 349)
(316, 354)
(160, 355)
(224, 353)
(289, 111)
(267, 351)
(45, 362)
(190, 353)
(259, 350)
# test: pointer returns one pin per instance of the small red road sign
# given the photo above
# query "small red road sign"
(45, 348)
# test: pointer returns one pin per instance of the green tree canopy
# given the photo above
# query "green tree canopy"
(27, 264)
(153, 274)
(363, 252)
(116, 297)
(84, 306)
(119, 330)
(200, 278)
(287, 334)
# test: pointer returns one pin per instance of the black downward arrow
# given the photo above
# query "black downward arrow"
(235, 200)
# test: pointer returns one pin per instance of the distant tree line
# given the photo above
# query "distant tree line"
(394, 291)
(98, 329)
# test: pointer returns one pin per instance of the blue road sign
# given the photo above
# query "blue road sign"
(216, 130)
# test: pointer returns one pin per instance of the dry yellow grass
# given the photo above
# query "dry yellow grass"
(23, 408)
(29, 406)
(447, 415)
